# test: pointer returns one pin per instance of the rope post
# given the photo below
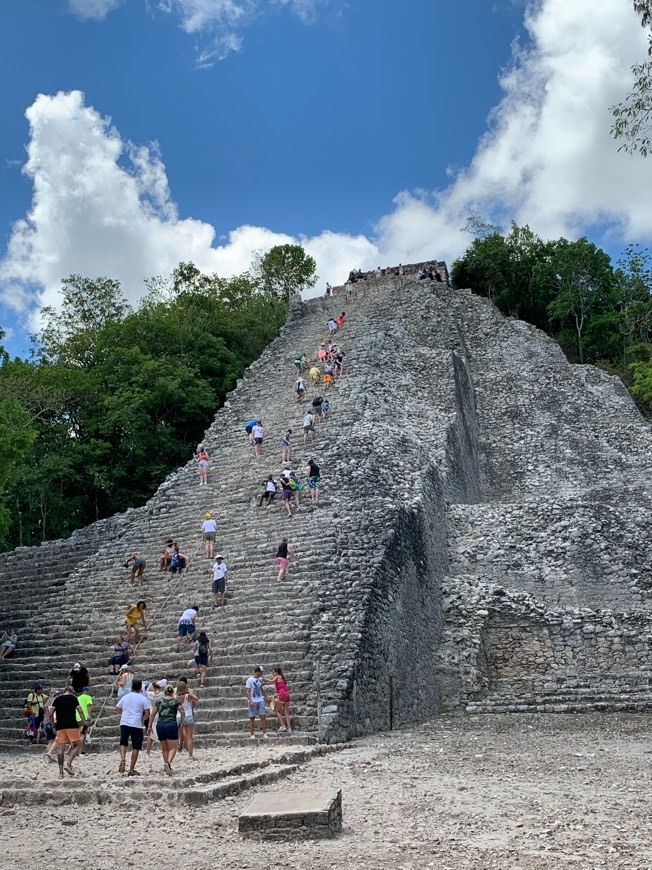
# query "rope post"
(318, 679)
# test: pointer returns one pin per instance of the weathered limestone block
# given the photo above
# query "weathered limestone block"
(294, 816)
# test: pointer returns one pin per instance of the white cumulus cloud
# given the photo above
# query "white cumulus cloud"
(218, 23)
(95, 10)
(102, 206)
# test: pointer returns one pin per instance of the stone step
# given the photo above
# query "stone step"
(191, 786)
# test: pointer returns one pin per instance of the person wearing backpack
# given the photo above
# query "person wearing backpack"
(203, 652)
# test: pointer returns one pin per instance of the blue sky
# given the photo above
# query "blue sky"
(205, 129)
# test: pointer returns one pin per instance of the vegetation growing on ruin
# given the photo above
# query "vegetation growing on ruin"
(115, 397)
(598, 313)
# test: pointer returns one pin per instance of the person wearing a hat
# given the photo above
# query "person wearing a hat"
(35, 704)
(78, 678)
(255, 692)
(219, 580)
(209, 532)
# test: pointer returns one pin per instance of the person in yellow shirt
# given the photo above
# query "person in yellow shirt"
(133, 616)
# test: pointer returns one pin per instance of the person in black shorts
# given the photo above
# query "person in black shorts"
(134, 708)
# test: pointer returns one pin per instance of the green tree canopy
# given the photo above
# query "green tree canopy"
(285, 271)
(115, 398)
(633, 116)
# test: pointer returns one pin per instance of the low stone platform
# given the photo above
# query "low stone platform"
(300, 815)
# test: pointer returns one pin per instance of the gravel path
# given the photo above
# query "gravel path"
(484, 792)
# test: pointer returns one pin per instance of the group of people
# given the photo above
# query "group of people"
(158, 710)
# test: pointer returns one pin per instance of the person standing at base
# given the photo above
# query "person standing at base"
(86, 703)
(48, 726)
(219, 580)
(64, 710)
(283, 702)
(209, 533)
(255, 692)
(35, 703)
(132, 709)
(282, 557)
(166, 725)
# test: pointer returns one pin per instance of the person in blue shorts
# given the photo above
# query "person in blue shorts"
(187, 624)
(255, 691)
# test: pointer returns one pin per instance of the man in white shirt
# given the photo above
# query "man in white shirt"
(255, 692)
(132, 708)
(219, 580)
(187, 624)
(258, 434)
(209, 533)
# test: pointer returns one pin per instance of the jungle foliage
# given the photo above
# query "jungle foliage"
(114, 397)
(598, 313)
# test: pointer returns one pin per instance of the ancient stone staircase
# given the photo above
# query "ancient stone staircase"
(304, 623)
(484, 512)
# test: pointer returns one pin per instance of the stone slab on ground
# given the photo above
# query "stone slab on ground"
(293, 815)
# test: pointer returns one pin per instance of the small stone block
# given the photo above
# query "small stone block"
(290, 816)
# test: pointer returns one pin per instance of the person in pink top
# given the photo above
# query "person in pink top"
(283, 700)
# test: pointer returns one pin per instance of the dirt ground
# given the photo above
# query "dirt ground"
(515, 791)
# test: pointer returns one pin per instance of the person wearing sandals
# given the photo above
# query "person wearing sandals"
(282, 709)
(166, 726)
(203, 653)
(187, 729)
(154, 692)
(64, 711)
(133, 709)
